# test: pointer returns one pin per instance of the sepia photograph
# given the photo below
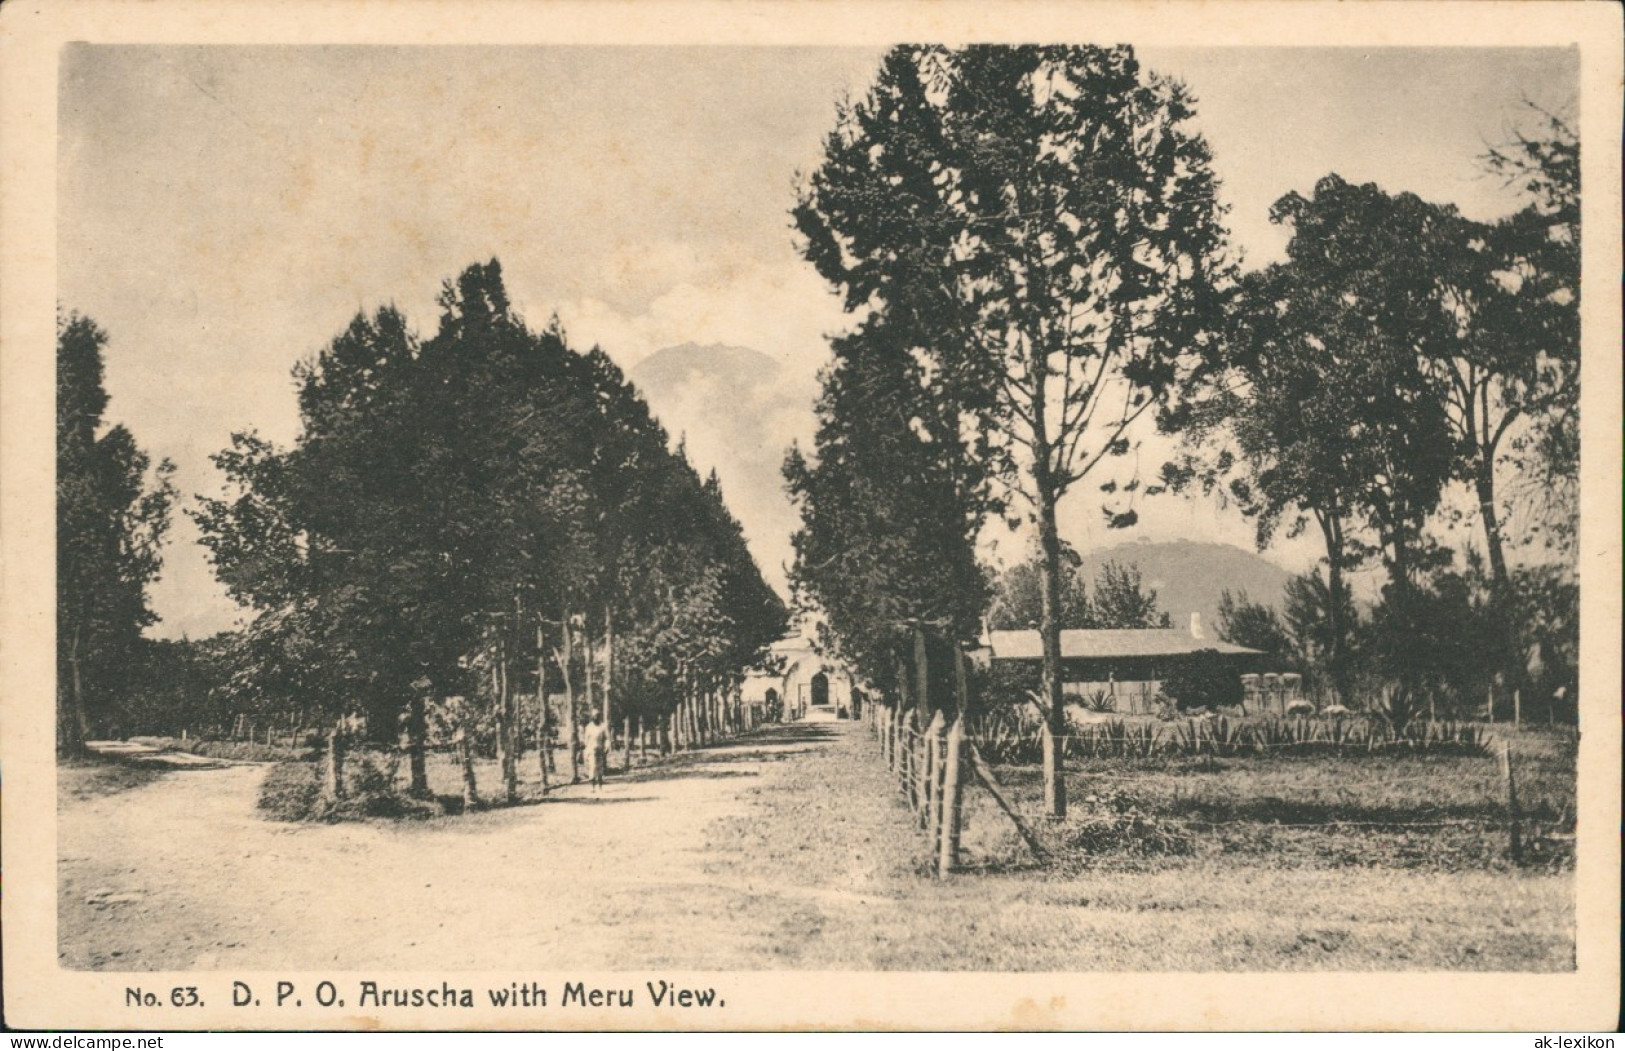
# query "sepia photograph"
(714, 527)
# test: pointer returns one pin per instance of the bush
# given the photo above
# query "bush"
(292, 791)
(1205, 679)
(1117, 825)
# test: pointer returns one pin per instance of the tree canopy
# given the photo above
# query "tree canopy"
(450, 495)
(1039, 227)
(112, 512)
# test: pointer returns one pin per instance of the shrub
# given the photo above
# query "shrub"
(1204, 679)
(1117, 825)
(292, 791)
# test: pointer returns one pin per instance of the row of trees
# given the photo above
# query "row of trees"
(1029, 244)
(487, 513)
(112, 512)
(459, 513)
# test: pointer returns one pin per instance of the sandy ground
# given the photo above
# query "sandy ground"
(787, 849)
(182, 873)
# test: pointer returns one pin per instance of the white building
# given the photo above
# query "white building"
(803, 684)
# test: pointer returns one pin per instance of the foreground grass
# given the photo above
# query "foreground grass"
(1386, 810)
(81, 779)
(852, 888)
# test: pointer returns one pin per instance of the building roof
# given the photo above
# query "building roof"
(1108, 644)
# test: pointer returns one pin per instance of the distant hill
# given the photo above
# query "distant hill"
(1189, 576)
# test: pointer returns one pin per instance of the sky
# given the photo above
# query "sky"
(224, 211)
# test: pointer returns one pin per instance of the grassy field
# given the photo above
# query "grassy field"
(789, 848)
(80, 779)
(1394, 811)
(1255, 898)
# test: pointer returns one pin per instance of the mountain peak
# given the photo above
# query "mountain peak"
(672, 366)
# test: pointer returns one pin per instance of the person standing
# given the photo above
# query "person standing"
(596, 741)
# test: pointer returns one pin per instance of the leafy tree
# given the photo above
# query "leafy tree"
(1537, 323)
(1123, 601)
(1204, 679)
(1450, 647)
(1042, 224)
(1333, 412)
(1019, 598)
(1252, 624)
(449, 506)
(890, 509)
(1320, 620)
(112, 512)
(1545, 625)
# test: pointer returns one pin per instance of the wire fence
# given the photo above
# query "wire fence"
(931, 775)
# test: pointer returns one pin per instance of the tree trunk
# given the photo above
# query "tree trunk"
(1049, 630)
(961, 686)
(922, 674)
(465, 759)
(571, 731)
(507, 732)
(543, 748)
(609, 674)
(417, 746)
(78, 723)
(333, 782)
(1331, 529)
(1484, 484)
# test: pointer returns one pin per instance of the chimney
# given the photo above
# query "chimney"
(1196, 626)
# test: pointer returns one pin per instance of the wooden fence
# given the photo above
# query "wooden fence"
(933, 764)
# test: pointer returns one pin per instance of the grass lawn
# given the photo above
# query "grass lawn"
(81, 779)
(1256, 897)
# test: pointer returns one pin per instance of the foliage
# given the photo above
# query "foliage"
(1539, 265)
(1018, 595)
(1253, 624)
(1118, 825)
(1319, 620)
(1040, 226)
(291, 791)
(1120, 600)
(1009, 737)
(112, 512)
(890, 508)
(1204, 679)
(448, 503)
(1123, 601)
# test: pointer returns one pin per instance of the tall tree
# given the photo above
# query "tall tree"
(1327, 393)
(1536, 320)
(444, 500)
(1046, 220)
(890, 506)
(1123, 601)
(1252, 624)
(112, 511)
(1018, 598)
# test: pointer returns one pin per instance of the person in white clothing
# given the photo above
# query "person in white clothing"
(596, 742)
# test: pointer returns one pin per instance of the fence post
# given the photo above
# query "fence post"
(906, 769)
(1514, 836)
(948, 839)
(930, 813)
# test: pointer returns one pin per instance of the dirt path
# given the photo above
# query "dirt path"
(788, 849)
(182, 873)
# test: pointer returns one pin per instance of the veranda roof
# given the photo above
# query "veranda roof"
(1109, 644)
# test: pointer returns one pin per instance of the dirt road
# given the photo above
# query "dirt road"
(182, 873)
(788, 849)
